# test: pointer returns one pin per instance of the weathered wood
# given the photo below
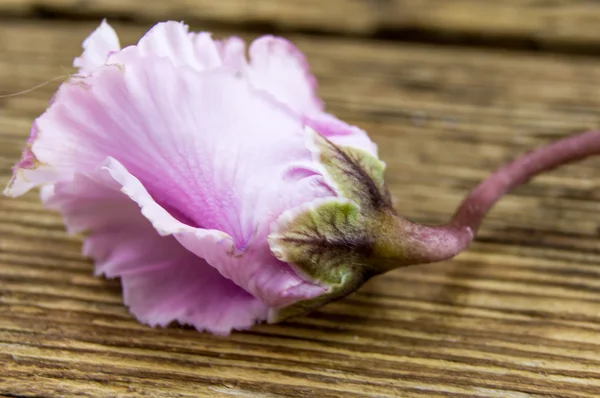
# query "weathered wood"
(543, 21)
(515, 315)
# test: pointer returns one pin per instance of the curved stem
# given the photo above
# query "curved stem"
(436, 243)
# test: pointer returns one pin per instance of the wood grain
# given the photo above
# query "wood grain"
(517, 315)
(540, 21)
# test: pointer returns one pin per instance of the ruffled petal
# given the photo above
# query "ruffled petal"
(275, 66)
(278, 67)
(97, 47)
(208, 153)
(252, 266)
(162, 281)
(173, 40)
(233, 53)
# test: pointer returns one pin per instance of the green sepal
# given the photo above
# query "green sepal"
(355, 173)
(333, 242)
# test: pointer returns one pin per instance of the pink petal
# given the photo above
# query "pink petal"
(174, 41)
(96, 48)
(278, 67)
(340, 133)
(162, 281)
(233, 53)
(208, 159)
(252, 267)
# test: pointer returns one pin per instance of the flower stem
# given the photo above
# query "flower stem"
(437, 243)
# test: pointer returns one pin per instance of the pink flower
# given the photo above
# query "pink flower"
(197, 177)
(219, 191)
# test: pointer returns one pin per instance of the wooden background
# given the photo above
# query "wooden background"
(449, 90)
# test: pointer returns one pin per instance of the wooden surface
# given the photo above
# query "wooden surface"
(517, 315)
(541, 22)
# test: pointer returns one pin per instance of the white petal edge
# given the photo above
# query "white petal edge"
(97, 47)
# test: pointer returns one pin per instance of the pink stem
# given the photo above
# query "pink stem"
(436, 243)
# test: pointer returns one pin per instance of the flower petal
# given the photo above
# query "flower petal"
(233, 53)
(340, 133)
(174, 41)
(278, 67)
(275, 66)
(96, 48)
(162, 281)
(253, 267)
(209, 154)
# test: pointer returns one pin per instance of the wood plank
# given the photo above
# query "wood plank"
(566, 22)
(515, 315)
